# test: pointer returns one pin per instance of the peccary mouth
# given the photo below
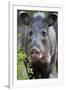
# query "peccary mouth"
(42, 59)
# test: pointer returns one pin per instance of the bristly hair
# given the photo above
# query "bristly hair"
(41, 14)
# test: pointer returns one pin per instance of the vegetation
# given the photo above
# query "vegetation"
(24, 71)
(21, 70)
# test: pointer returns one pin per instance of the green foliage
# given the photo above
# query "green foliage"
(21, 72)
(21, 69)
(21, 55)
(24, 71)
(29, 70)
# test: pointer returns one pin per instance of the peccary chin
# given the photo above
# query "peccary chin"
(41, 70)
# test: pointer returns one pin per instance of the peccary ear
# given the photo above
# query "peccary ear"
(25, 17)
(51, 19)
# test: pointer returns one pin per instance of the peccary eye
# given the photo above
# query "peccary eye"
(44, 34)
(30, 33)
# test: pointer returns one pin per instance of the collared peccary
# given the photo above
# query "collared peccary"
(41, 42)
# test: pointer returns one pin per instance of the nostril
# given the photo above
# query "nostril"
(31, 52)
(37, 52)
(34, 52)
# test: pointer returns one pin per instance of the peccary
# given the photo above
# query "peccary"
(41, 42)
